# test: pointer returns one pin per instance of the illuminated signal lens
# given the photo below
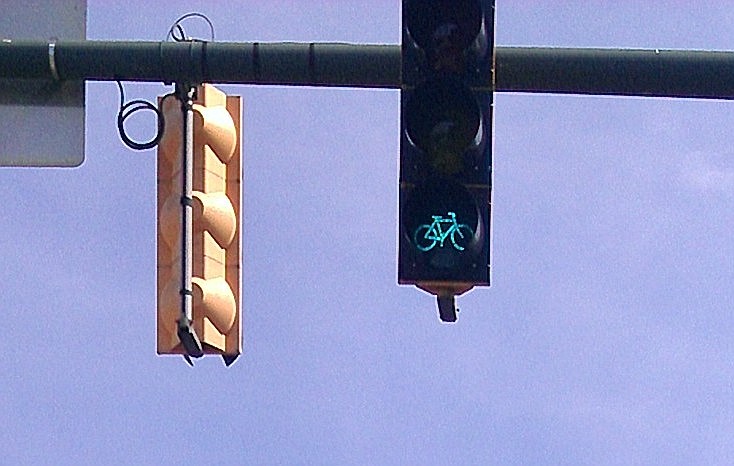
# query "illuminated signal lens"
(440, 217)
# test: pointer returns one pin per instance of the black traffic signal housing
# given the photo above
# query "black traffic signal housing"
(446, 147)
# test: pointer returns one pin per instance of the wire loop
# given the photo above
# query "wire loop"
(127, 109)
(177, 27)
(177, 34)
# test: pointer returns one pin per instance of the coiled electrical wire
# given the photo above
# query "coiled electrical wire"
(176, 33)
(182, 37)
(127, 109)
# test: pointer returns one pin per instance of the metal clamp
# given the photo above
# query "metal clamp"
(52, 61)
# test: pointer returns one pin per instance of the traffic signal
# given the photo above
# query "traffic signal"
(216, 240)
(446, 147)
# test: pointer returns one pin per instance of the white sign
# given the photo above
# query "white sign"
(42, 121)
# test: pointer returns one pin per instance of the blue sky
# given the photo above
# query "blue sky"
(605, 338)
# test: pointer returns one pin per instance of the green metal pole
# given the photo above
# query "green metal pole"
(653, 73)
(326, 64)
(649, 73)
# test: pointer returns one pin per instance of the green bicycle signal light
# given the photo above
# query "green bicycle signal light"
(446, 146)
(444, 232)
(427, 237)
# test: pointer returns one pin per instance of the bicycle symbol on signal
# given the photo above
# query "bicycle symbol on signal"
(426, 236)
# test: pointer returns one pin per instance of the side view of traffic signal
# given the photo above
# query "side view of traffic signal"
(215, 202)
(446, 147)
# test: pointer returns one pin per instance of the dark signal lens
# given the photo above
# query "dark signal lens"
(443, 119)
